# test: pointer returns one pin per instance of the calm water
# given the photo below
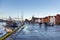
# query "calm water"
(1, 25)
(35, 32)
(2, 29)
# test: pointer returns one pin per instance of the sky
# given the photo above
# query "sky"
(29, 8)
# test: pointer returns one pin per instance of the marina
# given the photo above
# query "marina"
(29, 19)
(7, 34)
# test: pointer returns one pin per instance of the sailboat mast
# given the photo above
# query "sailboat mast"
(18, 16)
(21, 16)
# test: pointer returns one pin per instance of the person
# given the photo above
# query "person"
(40, 24)
(45, 26)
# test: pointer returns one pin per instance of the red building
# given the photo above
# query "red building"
(43, 20)
(46, 19)
(57, 20)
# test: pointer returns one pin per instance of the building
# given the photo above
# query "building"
(36, 20)
(48, 19)
(41, 20)
(57, 21)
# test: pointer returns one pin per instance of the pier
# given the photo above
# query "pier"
(6, 36)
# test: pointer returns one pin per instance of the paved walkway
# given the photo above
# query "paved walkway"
(34, 32)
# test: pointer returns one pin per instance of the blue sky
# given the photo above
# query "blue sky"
(38, 8)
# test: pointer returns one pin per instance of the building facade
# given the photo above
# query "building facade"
(57, 21)
(36, 20)
(51, 19)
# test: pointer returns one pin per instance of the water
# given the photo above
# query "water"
(2, 29)
(1, 25)
(34, 32)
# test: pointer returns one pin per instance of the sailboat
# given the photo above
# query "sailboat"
(10, 25)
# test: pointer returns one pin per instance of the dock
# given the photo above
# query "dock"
(10, 33)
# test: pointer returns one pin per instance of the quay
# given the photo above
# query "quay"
(10, 33)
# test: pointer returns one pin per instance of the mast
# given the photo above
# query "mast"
(21, 16)
(18, 16)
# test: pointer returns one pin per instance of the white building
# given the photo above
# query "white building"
(52, 20)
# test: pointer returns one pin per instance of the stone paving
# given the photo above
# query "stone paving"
(35, 32)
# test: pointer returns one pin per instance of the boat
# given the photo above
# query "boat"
(10, 25)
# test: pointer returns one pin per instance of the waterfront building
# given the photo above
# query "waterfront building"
(36, 20)
(57, 21)
(48, 19)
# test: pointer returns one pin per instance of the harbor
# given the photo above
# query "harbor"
(6, 34)
(35, 32)
(29, 19)
(9, 28)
